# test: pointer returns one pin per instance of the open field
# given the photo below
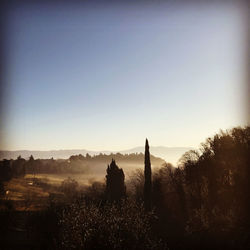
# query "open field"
(35, 192)
(56, 179)
(23, 195)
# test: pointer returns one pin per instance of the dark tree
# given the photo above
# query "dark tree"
(147, 175)
(115, 187)
(32, 165)
(18, 167)
(31, 159)
(5, 170)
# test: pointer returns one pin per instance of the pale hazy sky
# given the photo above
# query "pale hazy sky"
(106, 77)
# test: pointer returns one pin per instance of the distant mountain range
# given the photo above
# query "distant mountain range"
(169, 154)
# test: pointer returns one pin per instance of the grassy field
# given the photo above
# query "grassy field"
(34, 192)
(23, 195)
(56, 179)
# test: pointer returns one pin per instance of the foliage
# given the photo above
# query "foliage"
(206, 196)
(74, 165)
(115, 187)
(69, 187)
(108, 226)
(135, 184)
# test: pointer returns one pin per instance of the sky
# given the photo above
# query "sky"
(105, 77)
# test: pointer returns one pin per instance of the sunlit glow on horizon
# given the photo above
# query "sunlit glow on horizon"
(105, 79)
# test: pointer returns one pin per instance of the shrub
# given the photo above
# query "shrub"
(110, 226)
(69, 187)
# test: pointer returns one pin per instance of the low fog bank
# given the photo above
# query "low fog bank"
(82, 168)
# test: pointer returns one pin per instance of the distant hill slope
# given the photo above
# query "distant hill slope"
(169, 154)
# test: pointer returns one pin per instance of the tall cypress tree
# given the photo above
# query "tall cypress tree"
(147, 176)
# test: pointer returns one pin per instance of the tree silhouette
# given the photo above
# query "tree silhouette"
(115, 187)
(147, 175)
(32, 165)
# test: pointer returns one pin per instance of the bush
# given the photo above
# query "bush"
(69, 187)
(110, 226)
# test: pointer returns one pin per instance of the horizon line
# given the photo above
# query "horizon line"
(106, 150)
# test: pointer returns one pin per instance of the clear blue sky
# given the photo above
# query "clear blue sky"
(106, 77)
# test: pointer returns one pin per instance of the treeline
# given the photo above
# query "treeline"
(206, 200)
(129, 158)
(74, 165)
(204, 203)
